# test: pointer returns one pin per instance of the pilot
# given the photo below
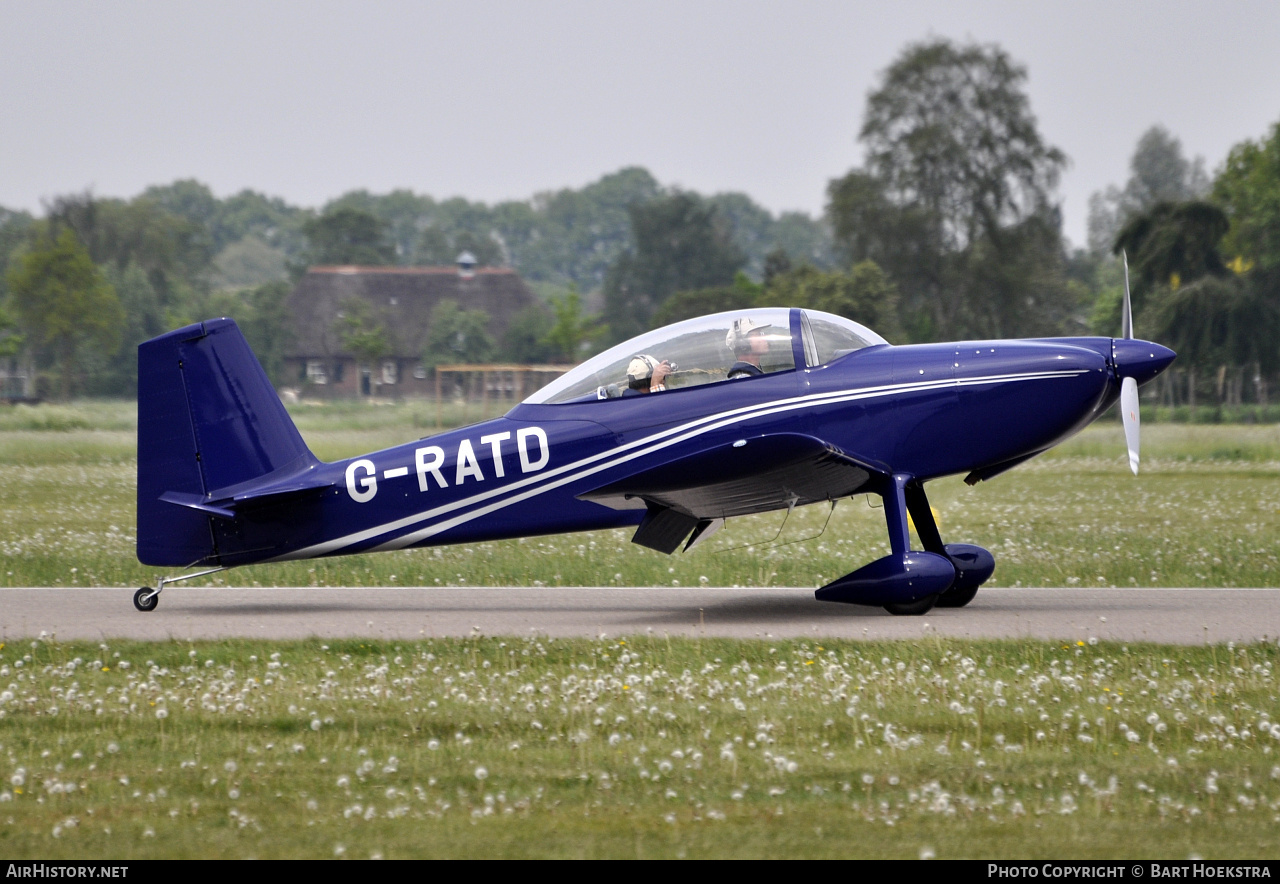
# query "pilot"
(747, 341)
(646, 375)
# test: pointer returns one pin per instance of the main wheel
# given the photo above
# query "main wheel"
(957, 598)
(145, 599)
(913, 609)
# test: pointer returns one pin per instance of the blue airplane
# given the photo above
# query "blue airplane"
(673, 432)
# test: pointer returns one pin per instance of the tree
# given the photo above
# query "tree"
(1185, 296)
(270, 219)
(362, 332)
(1173, 244)
(525, 339)
(776, 263)
(950, 131)
(864, 294)
(957, 186)
(174, 252)
(1221, 322)
(402, 211)
(742, 295)
(348, 236)
(571, 328)
(575, 235)
(63, 303)
(11, 337)
(15, 230)
(270, 329)
(249, 262)
(1248, 189)
(457, 336)
(1158, 172)
(484, 248)
(435, 248)
(680, 244)
(186, 198)
(144, 317)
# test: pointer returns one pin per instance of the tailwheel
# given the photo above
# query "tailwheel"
(147, 598)
(913, 609)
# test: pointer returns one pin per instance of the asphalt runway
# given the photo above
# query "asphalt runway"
(1180, 616)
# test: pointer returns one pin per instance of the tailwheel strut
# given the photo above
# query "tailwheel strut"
(147, 599)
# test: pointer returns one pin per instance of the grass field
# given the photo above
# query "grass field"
(1204, 512)
(638, 747)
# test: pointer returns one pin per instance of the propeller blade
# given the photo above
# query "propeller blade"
(1129, 387)
(1126, 321)
(1132, 421)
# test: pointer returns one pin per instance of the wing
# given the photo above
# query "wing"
(752, 475)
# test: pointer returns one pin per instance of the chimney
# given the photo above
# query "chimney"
(466, 265)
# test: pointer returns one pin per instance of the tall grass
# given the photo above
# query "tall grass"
(638, 746)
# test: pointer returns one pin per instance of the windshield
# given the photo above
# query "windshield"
(701, 351)
(827, 336)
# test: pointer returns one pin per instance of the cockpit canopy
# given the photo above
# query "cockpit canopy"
(704, 350)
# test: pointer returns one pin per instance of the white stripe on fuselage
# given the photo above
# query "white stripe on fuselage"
(541, 483)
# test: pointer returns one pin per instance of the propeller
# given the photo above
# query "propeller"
(1129, 386)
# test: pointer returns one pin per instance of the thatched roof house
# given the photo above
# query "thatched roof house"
(401, 299)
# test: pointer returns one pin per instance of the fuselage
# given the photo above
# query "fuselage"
(927, 410)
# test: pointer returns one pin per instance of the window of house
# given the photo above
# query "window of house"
(315, 372)
(389, 371)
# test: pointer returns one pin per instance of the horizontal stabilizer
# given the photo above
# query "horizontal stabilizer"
(753, 475)
(196, 502)
(227, 502)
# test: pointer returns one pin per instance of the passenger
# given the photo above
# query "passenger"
(646, 375)
(747, 341)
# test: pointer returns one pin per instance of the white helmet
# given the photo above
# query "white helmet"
(736, 339)
(641, 367)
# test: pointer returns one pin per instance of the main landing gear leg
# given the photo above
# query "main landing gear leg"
(973, 564)
(900, 499)
(146, 598)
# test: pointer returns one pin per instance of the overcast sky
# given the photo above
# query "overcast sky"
(500, 100)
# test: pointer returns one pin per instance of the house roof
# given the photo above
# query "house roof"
(403, 298)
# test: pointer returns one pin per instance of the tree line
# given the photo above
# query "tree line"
(950, 229)
(176, 253)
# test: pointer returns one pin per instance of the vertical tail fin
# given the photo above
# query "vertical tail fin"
(208, 419)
